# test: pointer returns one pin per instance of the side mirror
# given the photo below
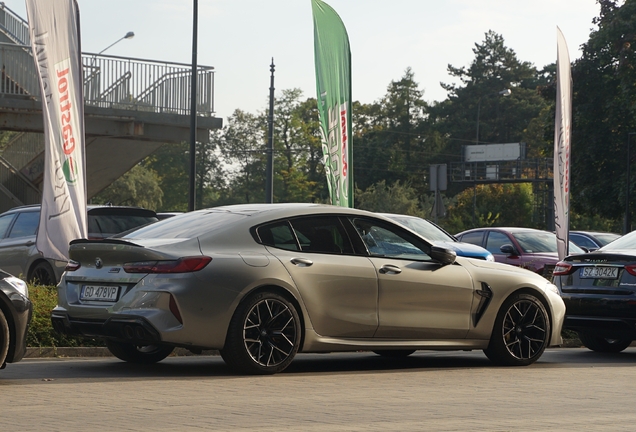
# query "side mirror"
(444, 256)
(507, 249)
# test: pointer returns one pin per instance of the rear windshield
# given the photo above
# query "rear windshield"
(109, 225)
(187, 225)
(628, 241)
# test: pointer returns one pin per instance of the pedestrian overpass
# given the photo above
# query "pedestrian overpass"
(132, 107)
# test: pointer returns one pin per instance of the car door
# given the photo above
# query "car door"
(495, 240)
(418, 297)
(338, 287)
(18, 244)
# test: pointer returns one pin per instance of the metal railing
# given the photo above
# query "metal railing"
(109, 81)
(521, 170)
(145, 85)
(15, 27)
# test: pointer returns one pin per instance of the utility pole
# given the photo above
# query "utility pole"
(269, 174)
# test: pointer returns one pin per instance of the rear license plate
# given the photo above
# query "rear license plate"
(599, 273)
(99, 293)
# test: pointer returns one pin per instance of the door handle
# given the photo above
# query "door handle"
(29, 243)
(302, 262)
(388, 268)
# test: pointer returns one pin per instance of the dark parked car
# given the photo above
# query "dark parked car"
(599, 290)
(592, 240)
(440, 237)
(529, 248)
(15, 315)
(18, 229)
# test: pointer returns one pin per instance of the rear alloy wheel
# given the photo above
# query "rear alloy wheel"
(42, 274)
(602, 344)
(264, 335)
(394, 353)
(521, 332)
(140, 354)
(4, 339)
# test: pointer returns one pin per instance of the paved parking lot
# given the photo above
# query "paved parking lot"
(568, 389)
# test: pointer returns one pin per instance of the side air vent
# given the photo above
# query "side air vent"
(485, 294)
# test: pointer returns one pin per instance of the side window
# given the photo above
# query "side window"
(5, 221)
(278, 234)
(476, 238)
(582, 241)
(495, 241)
(321, 234)
(25, 225)
(382, 239)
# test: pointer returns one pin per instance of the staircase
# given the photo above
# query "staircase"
(132, 106)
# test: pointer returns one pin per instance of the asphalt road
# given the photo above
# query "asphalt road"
(568, 389)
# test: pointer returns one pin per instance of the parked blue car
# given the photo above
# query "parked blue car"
(437, 235)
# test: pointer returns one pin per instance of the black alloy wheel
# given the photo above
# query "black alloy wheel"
(521, 332)
(42, 274)
(264, 335)
(603, 344)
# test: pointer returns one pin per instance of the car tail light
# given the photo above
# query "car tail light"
(181, 265)
(562, 268)
(175, 309)
(72, 266)
(631, 269)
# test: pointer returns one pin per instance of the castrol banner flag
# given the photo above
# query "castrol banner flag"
(333, 84)
(562, 133)
(55, 41)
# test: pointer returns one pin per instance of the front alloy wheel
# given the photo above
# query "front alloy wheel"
(264, 335)
(521, 332)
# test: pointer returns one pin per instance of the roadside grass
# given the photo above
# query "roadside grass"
(41, 333)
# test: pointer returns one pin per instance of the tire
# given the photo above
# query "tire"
(5, 339)
(132, 353)
(264, 335)
(521, 332)
(602, 344)
(42, 274)
(394, 353)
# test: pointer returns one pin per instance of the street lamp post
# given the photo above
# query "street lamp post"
(628, 218)
(128, 35)
(504, 93)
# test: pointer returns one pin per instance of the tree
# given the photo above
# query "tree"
(138, 187)
(476, 99)
(604, 102)
(390, 135)
(396, 198)
(491, 205)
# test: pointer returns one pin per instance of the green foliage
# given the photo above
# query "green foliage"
(604, 103)
(491, 205)
(138, 187)
(396, 198)
(41, 333)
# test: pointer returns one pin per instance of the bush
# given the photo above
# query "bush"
(41, 333)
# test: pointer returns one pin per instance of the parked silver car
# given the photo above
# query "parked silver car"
(18, 229)
(261, 282)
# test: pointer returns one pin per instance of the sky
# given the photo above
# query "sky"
(239, 38)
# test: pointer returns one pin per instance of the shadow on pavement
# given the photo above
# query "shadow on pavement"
(196, 367)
